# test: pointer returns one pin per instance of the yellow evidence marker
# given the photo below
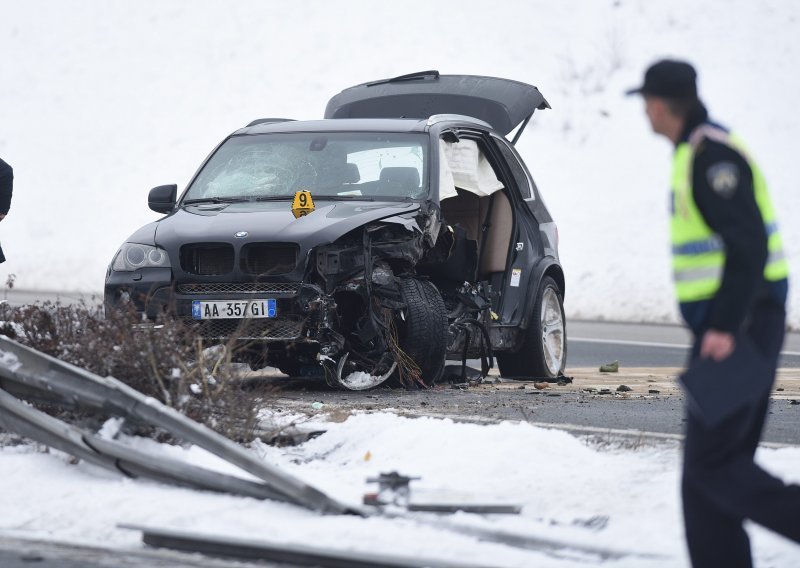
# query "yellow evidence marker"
(302, 204)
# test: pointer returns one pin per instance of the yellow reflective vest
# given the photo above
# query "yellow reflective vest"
(698, 253)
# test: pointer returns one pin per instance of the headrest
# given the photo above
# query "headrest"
(406, 177)
(351, 173)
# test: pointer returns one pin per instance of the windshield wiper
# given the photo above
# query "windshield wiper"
(273, 198)
(214, 200)
(343, 198)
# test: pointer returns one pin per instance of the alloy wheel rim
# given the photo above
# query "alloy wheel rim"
(552, 331)
(360, 380)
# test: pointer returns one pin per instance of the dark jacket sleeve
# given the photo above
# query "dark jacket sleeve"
(6, 186)
(723, 190)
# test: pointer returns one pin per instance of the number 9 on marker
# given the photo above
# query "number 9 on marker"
(303, 204)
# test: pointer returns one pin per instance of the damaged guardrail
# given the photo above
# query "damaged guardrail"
(34, 376)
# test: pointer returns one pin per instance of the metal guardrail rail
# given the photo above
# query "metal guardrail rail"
(285, 553)
(35, 376)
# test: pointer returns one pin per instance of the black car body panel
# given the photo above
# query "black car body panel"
(145, 235)
(270, 222)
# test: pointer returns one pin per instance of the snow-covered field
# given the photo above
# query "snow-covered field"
(100, 101)
(596, 496)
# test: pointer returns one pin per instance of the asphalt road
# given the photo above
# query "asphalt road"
(573, 407)
(592, 343)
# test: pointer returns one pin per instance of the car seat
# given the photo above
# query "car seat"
(399, 181)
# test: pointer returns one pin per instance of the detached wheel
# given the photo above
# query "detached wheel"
(543, 353)
(422, 330)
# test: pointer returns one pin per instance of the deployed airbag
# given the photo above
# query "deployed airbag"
(463, 165)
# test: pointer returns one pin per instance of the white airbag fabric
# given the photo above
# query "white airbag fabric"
(464, 166)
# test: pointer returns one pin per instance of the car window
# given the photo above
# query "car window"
(374, 165)
(372, 162)
(521, 175)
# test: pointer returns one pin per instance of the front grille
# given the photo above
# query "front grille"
(207, 259)
(268, 259)
(265, 329)
(240, 288)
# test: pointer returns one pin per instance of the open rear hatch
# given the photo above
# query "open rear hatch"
(502, 103)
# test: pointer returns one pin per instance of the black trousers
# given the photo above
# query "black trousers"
(722, 485)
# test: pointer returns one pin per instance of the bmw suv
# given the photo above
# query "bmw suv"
(399, 232)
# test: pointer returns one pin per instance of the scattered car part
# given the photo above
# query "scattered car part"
(612, 367)
(395, 490)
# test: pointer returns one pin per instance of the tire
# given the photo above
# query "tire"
(422, 335)
(543, 353)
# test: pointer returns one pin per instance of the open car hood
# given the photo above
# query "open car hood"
(502, 103)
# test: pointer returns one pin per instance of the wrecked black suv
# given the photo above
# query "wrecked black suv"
(401, 231)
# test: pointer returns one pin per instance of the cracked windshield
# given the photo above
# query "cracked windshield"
(329, 165)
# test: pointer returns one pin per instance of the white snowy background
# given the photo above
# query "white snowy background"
(100, 101)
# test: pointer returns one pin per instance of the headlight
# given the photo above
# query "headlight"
(132, 256)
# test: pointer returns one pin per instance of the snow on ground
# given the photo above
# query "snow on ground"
(100, 101)
(602, 496)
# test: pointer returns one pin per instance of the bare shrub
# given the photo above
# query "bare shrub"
(166, 361)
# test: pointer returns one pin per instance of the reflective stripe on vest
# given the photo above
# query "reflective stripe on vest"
(698, 254)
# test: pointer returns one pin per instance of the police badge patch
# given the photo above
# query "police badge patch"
(723, 178)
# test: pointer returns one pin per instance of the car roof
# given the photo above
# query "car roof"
(284, 125)
(338, 125)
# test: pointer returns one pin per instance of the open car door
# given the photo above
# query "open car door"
(502, 103)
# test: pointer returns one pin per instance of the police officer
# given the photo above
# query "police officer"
(6, 186)
(731, 277)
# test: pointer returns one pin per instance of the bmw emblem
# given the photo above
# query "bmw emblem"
(240, 234)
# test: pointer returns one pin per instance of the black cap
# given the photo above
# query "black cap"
(669, 79)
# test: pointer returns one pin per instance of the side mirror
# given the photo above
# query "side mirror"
(162, 198)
